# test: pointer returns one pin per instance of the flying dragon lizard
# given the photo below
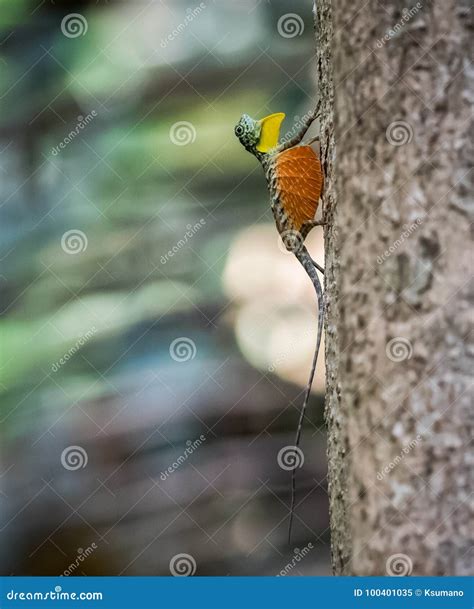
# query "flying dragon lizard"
(295, 181)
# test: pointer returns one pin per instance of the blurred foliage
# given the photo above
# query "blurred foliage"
(132, 192)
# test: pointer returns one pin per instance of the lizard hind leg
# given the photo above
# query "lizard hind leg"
(308, 227)
(305, 229)
(316, 265)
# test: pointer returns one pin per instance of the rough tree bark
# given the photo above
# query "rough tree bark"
(395, 138)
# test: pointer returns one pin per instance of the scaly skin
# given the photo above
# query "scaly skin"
(288, 224)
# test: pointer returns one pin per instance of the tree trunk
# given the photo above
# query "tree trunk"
(396, 99)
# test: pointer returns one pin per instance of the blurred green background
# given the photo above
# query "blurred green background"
(146, 299)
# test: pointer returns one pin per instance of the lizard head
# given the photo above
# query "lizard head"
(259, 136)
(248, 131)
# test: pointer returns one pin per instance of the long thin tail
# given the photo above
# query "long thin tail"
(307, 263)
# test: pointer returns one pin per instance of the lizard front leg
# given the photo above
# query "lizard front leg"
(305, 125)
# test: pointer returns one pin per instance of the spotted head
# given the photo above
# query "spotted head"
(248, 131)
(259, 136)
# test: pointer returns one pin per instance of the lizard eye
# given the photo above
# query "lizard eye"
(239, 130)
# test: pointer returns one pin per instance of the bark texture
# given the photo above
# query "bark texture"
(398, 263)
(334, 413)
